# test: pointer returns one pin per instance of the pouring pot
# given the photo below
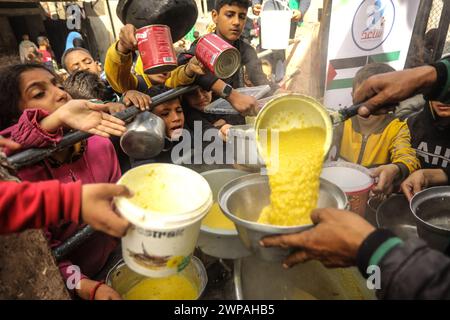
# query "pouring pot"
(179, 15)
(144, 138)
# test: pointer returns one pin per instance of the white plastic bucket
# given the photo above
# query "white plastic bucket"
(275, 26)
(353, 179)
(166, 220)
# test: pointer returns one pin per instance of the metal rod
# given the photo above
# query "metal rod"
(32, 156)
(73, 242)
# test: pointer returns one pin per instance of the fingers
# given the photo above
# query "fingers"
(296, 258)
(7, 143)
(120, 124)
(286, 240)
(140, 100)
(114, 225)
(417, 186)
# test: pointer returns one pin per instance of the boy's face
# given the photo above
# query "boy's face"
(198, 99)
(442, 110)
(81, 60)
(230, 21)
(172, 114)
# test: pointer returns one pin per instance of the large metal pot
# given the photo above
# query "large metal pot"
(179, 15)
(243, 199)
(431, 208)
(394, 214)
(145, 136)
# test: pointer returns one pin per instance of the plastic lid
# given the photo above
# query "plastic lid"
(165, 195)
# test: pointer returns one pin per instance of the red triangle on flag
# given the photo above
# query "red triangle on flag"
(331, 73)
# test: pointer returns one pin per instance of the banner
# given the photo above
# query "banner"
(361, 32)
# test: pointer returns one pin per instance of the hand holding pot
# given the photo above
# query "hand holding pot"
(385, 175)
(422, 179)
(335, 240)
(246, 105)
(138, 99)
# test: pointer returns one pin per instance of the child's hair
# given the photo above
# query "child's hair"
(68, 51)
(239, 3)
(10, 88)
(369, 70)
(85, 85)
(9, 60)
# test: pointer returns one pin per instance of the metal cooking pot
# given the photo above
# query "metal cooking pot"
(394, 214)
(145, 136)
(179, 15)
(431, 208)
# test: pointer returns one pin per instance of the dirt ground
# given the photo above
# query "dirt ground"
(28, 269)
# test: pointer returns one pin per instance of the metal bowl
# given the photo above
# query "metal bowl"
(243, 199)
(221, 243)
(122, 279)
(394, 214)
(431, 208)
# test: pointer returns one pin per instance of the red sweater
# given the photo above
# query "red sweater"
(36, 205)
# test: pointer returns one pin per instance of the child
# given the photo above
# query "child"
(381, 142)
(46, 56)
(230, 17)
(33, 96)
(172, 114)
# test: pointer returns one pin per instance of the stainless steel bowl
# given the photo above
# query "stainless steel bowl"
(243, 199)
(431, 208)
(221, 243)
(122, 279)
(394, 214)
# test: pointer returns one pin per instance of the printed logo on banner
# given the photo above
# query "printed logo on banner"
(373, 23)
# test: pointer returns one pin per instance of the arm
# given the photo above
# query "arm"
(35, 205)
(402, 153)
(409, 270)
(118, 69)
(424, 178)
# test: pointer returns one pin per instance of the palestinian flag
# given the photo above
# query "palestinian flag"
(341, 71)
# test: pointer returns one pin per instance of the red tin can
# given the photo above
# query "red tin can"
(220, 57)
(156, 49)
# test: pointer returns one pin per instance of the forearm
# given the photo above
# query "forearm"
(435, 177)
(51, 123)
(118, 69)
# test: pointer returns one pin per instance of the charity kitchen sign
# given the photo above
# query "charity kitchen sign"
(361, 32)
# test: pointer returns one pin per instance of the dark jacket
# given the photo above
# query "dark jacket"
(409, 270)
(430, 137)
(249, 59)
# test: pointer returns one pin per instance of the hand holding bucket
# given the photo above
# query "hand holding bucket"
(275, 24)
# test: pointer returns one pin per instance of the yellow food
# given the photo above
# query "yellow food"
(217, 220)
(176, 287)
(294, 178)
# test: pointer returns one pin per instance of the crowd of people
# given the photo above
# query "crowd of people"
(75, 186)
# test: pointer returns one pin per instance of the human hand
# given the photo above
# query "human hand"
(8, 144)
(385, 176)
(223, 131)
(296, 15)
(138, 99)
(127, 39)
(257, 9)
(194, 67)
(97, 210)
(246, 105)
(381, 91)
(114, 107)
(84, 116)
(103, 292)
(335, 240)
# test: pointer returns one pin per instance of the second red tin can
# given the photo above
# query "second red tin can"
(220, 57)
